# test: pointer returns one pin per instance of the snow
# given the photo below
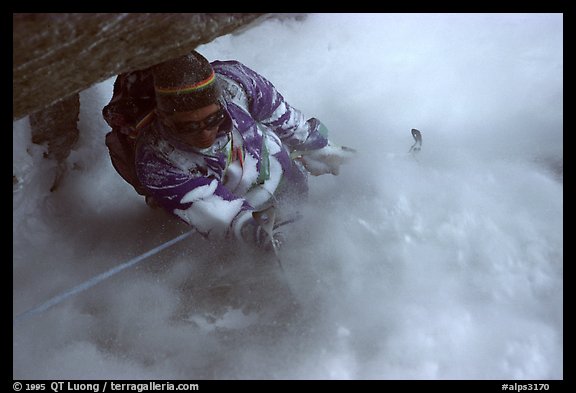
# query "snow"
(201, 213)
(446, 265)
(200, 192)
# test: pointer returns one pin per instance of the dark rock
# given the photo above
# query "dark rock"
(56, 126)
(57, 55)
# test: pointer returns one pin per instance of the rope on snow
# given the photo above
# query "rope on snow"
(96, 280)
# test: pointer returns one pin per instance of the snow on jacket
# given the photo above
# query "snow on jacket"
(215, 189)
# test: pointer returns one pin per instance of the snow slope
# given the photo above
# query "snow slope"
(447, 266)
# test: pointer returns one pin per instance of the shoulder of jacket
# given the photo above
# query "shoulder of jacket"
(221, 64)
(233, 91)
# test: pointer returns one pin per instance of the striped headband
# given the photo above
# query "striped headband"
(189, 88)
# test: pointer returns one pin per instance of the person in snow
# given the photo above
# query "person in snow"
(214, 144)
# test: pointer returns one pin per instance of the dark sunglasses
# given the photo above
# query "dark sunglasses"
(194, 127)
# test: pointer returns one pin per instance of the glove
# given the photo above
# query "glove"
(325, 160)
(267, 237)
(257, 228)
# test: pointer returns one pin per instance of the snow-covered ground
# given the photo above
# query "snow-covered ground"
(444, 266)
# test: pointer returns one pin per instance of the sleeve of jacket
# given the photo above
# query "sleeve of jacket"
(198, 199)
(267, 106)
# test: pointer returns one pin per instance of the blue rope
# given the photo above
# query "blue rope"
(96, 280)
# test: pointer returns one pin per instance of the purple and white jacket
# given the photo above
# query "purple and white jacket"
(216, 189)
